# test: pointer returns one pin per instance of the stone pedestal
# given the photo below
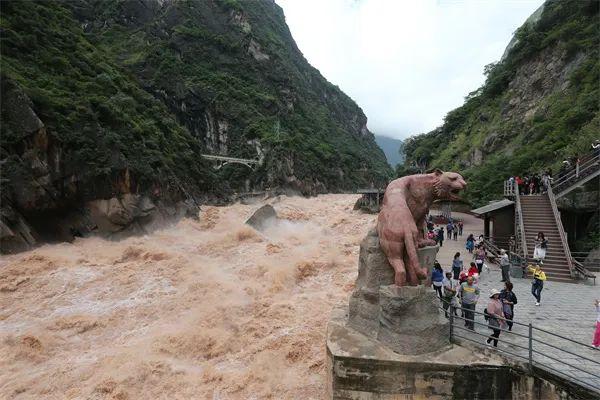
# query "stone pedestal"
(405, 318)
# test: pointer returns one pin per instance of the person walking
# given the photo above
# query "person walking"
(449, 228)
(541, 244)
(440, 236)
(437, 276)
(449, 293)
(470, 244)
(504, 266)
(469, 294)
(509, 299)
(473, 271)
(480, 257)
(460, 228)
(457, 265)
(539, 277)
(596, 341)
(495, 314)
(455, 232)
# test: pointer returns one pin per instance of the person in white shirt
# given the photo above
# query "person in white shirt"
(449, 293)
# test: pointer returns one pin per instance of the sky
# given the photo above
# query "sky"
(405, 62)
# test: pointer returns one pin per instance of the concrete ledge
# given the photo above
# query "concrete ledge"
(362, 368)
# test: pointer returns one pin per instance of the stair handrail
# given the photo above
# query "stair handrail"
(586, 273)
(519, 225)
(561, 230)
(577, 172)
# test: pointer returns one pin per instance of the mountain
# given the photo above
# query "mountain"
(538, 106)
(392, 149)
(107, 107)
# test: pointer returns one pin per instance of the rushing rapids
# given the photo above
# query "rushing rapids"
(207, 309)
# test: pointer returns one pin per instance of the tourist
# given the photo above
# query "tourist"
(440, 237)
(526, 185)
(462, 277)
(596, 341)
(495, 317)
(469, 294)
(509, 299)
(449, 290)
(473, 270)
(545, 182)
(449, 228)
(457, 266)
(519, 182)
(480, 257)
(512, 245)
(541, 244)
(437, 276)
(504, 265)
(455, 232)
(460, 228)
(431, 235)
(470, 243)
(538, 283)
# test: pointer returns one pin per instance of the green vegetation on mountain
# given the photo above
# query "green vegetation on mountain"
(95, 112)
(106, 97)
(538, 106)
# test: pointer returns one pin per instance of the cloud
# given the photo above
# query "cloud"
(406, 63)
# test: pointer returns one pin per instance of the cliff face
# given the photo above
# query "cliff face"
(539, 105)
(107, 106)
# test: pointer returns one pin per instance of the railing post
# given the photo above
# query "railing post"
(451, 311)
(530, 347)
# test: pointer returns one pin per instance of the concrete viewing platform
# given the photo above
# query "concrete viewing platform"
(566, 309)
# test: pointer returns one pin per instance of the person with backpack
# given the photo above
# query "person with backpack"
(509, 300)
(470, 244)
(539, 277)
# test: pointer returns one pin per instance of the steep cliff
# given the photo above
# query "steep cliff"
(538, 106)
(107, 107)
(392, 148)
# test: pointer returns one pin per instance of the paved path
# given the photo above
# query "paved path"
(566, 309)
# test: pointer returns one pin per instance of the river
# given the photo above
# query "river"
(207, 309)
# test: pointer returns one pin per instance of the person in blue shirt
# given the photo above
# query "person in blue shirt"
(437, 276)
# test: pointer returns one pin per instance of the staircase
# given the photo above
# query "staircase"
(538, 216)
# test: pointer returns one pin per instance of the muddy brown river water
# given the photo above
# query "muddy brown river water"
(208, 309)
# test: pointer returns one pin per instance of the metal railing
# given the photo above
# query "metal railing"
(493, 246)
(583, 257)
(533, 346)
(521, 241)
(561, 230)
(581, 172)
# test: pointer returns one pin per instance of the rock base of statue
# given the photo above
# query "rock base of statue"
(404, 318)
